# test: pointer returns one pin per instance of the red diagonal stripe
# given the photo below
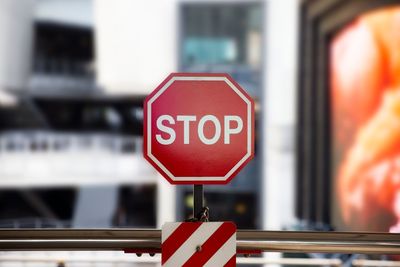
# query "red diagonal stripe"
(213, 243)
(231, 262)
(176, 239)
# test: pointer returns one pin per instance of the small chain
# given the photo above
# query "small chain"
(203, 216)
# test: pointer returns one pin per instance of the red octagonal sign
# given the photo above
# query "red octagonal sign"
(198, 128)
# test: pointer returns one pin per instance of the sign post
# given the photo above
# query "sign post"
(198, 199)
(198, 129)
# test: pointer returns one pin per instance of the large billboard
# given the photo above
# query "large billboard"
(365, 110)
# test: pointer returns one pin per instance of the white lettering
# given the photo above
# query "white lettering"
(186, 121)
(228, 131)
(200, 130)
(165, 129)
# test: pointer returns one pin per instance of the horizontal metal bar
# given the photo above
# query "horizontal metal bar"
(79, 233)
(290, 261)
(322, 247)
(373, 263)
(156, 234)
(317, 236)
(279, 241)
(29, 257)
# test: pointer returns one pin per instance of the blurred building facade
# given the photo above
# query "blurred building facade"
(73, 77)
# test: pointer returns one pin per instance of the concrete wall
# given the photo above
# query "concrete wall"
(16, 19)
(279, 107)
(135, 44)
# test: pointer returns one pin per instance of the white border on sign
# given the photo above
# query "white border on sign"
(199, 178)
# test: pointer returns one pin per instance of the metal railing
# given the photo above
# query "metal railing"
(121, 259)
(247, 240)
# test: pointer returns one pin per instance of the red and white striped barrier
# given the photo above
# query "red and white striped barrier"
(211, 244)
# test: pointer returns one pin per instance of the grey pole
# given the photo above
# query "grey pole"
(198, 199)
(150, 239)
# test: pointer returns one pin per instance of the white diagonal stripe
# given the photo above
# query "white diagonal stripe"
(224, 254)
(189, 247)
(168, 229)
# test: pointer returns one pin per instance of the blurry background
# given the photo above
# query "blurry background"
(73, 78)
(324, 75)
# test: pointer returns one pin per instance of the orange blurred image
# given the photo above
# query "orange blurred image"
(365, 91)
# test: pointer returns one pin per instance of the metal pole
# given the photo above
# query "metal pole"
(243, 235)
(198, 199)
(55, 257)
(150, 240)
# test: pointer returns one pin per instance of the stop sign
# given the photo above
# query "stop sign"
(198, 128)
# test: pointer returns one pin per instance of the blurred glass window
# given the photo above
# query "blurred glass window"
(222, 33)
